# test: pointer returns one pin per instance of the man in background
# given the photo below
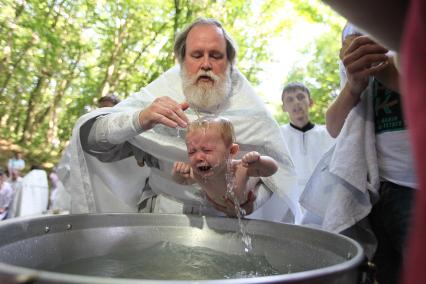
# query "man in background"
(307, 142)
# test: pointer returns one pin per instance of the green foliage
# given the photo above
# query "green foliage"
(321, 72)
(58, 57)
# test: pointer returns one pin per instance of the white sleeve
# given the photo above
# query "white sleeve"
(113, 129)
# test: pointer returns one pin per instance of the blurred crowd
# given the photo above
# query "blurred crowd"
(27, 192)
(31, 190)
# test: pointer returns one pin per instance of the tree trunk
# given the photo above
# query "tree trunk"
(26, 131)
(113, 62)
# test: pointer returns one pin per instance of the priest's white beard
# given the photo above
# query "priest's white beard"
(206, 97)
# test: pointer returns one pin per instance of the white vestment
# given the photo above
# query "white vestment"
(32, 198)
(117, 184)
(59, 198)
(306, 149)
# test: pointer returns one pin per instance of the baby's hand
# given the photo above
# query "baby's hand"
(250, 159)
(182, 169)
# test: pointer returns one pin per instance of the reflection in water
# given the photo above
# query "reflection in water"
(168, 261)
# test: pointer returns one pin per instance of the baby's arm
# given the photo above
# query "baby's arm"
(182, 173)
(259, 166)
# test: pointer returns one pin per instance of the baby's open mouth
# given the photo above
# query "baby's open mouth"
(204, 168)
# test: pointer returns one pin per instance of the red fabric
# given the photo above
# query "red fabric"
(414, 95)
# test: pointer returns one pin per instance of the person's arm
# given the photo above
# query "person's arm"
(106, 136)
(182, 173)
(259, 166)
(337, 112)
(362, 58)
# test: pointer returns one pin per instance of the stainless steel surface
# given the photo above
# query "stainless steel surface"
(28, 250)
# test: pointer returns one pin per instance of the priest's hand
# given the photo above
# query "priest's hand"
(166, 111)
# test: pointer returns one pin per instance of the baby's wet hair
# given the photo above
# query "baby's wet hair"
(224, 125)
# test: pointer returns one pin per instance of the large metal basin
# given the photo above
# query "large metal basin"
(30, 248)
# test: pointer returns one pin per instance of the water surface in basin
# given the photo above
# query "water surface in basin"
(167, 261)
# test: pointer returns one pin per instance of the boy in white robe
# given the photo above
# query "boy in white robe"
(306, 144)
(306, 141)
(33, 196)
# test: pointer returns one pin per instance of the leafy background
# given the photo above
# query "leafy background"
(57, 57)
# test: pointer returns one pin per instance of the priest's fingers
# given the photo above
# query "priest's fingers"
(178, 108)
(163, 110)
(172, 111)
